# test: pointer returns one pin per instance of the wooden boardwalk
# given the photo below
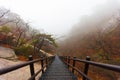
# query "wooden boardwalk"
(58, 71)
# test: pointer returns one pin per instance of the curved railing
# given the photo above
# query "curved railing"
(45, 62)
(67, 60)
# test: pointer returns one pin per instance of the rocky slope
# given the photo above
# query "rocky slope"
(7, 53)
(8, 58)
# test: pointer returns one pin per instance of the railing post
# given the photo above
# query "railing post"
(46, 61)
(31, 66)
(51, 60)
(42, 63)
(65, 58)
(86, 67)
(68, 61)
(73, 64)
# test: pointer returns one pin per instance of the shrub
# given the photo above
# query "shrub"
(24, 50)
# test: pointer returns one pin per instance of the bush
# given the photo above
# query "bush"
(25, 50)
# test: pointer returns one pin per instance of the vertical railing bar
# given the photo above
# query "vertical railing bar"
(86, 67)
(66, 58)
(42, 64)
(73, 64)
(46, 62)
(31, 66)
(68, 61)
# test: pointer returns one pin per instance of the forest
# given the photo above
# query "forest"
(96, 36)
(18, 35)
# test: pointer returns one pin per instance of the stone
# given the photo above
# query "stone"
(7, 53)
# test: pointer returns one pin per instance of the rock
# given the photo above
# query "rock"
(7, 53)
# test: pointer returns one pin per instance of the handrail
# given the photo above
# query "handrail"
(102, 65)
(14, 67)
(33, 76)
(67, 59)
(80, 72)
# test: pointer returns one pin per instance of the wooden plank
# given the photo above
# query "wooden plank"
(58, 71)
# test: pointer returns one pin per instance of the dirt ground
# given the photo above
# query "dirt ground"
(20, 74)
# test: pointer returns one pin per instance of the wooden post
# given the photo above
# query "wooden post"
(31, 66)
(46, 61)
(42, 63)
(86, 67)
(68, 61)
(65, 58)
(73, 64)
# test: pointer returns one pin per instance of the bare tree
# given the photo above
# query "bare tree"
(6, 16)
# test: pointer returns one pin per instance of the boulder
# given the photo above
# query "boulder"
(7, 53)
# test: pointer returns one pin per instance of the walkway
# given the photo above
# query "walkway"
(57, 71)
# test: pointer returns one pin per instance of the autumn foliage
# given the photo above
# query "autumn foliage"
(17, 34)
(101, 42)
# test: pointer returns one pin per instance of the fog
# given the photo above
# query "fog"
(101, 16)
(89, 34)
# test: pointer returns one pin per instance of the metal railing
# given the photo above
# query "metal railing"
(45, 62)
(67, 60)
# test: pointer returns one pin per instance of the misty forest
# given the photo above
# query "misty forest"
(96, 35)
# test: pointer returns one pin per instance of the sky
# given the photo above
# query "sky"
(56, 17)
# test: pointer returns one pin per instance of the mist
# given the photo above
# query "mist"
(90, 28)
(102, 14)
